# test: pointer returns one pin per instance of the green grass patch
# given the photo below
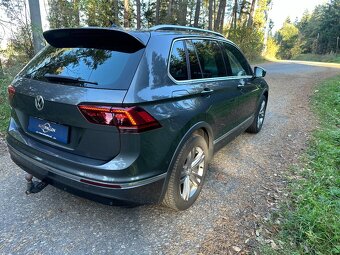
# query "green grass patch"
(4, 107)
(329, 58)
(311, 217)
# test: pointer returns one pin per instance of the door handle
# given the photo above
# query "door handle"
(206, 92)
(240, 85)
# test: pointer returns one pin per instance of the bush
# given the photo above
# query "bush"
(272, 48)
(249, 39)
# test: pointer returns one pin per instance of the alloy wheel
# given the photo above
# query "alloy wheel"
(192, 173)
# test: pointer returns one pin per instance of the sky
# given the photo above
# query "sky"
(292, 8)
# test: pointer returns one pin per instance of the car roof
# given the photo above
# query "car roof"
(176, 31)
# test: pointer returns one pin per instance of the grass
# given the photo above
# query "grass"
(311, 217)
(330, 58)
(4, 107)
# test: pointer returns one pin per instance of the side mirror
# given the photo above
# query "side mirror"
(259, 72)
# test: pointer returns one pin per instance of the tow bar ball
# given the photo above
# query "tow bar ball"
(34, 186)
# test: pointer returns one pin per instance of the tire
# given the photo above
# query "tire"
(186, 182)
(257, 124)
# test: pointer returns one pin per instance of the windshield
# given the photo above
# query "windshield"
(109, 69)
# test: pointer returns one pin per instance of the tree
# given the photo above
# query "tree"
(251, 13)
(63, 13)
(1, 70)
(210, 18)
(197, 13)
(20, 41)
(116, 11)
(36, 25)
(182, 13)
(234, 15)
(320, 29)
(219, 19)
(138, 14)
(126, 13)
(288, 39)
(158, 5)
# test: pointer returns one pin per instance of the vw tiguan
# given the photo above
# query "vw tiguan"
(134, 116)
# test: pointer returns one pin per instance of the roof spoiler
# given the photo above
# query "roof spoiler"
(94, 37)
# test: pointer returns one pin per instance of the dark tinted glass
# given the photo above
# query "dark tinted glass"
(195, 69)
(210, 57)
(178, 63)
(109, 69)
(238, 65)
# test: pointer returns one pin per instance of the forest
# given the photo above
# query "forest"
(246, 22)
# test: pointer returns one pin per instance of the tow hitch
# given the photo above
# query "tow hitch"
(34, 186)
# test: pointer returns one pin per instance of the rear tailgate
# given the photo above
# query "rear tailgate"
(108, 68)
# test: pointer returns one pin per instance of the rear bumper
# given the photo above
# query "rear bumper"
(141, 192)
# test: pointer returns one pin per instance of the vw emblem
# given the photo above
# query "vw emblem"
(39, 102)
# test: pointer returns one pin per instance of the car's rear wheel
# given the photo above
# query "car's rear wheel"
(257, 124)
(188, 174)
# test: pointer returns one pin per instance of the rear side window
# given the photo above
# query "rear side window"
(109, 69)
(210, 58)
(238, 65)
(178, 64)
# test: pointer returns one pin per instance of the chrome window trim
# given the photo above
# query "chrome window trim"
(224, 78)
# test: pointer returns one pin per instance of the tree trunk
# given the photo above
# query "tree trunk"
(36, 25)
(222, 18)
(138, 13)
(242, 12)
(169, 14)
(234, 20)
(219, 15)
(126, 13)
(158, 4)
(251, 14)
(1, 70)
(182, 13)
(76, 13)
(210, 18)
(116, 11)
(197, 13)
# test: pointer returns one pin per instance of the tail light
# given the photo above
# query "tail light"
(130, 120)
(11, 92)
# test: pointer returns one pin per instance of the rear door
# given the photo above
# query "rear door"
(222, 93)
(241, 73)
(51, 87)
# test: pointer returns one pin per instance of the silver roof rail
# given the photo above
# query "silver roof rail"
(184, 28)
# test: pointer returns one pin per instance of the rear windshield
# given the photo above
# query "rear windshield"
(108, 69)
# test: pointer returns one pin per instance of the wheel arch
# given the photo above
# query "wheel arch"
(199, 128)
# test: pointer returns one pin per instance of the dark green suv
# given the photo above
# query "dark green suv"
(133, 116)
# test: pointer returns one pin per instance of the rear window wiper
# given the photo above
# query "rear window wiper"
(70, 79)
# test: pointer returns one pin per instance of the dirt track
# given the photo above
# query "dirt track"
(243, 181)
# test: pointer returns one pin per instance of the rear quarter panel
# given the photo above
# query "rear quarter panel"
(177, 107)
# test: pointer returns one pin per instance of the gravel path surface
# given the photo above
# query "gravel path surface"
(223, 220)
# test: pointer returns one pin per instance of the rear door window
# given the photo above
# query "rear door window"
(109, 69)
(210, 58)
(178, 64)
(195, 69)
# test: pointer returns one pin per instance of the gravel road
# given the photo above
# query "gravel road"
(237, 191)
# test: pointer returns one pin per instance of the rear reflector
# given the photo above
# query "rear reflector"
(131, 120)
(101, 184)
(11, 92)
